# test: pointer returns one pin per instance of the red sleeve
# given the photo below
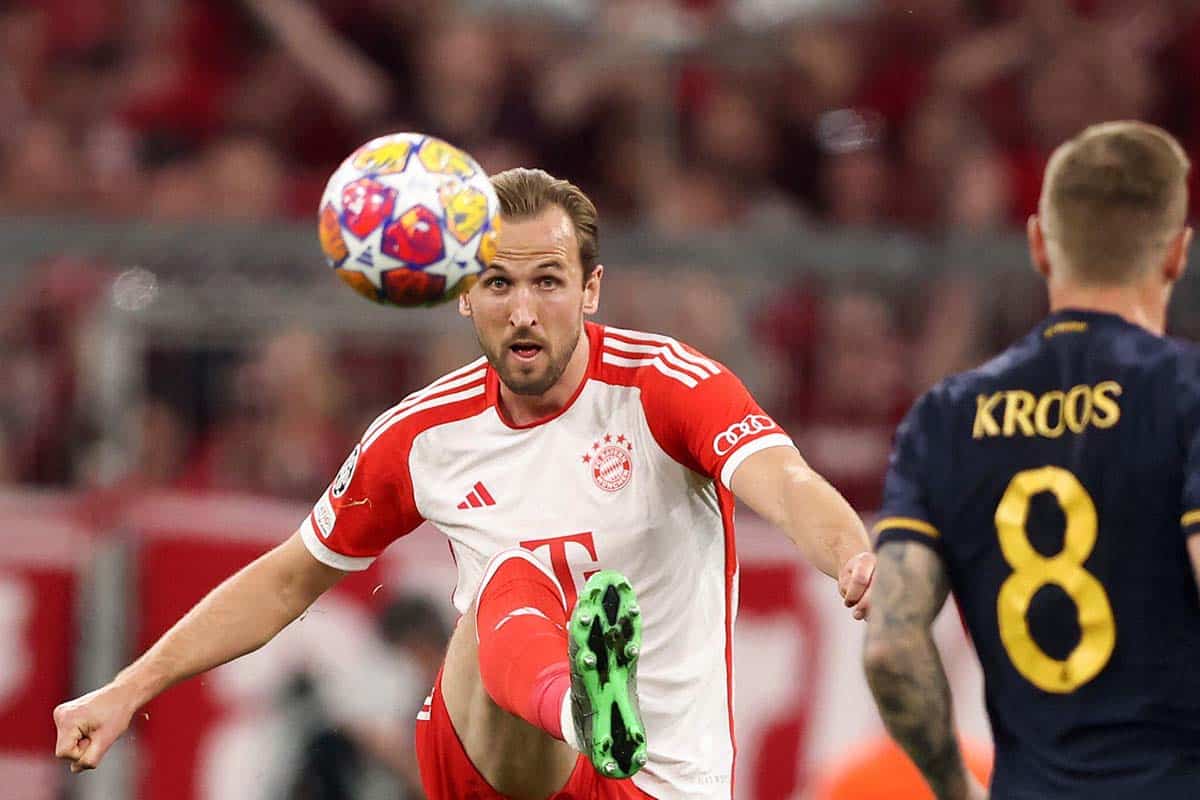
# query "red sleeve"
(369, 504)
(710, 424)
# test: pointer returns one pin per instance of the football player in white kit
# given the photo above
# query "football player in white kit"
(570, 465)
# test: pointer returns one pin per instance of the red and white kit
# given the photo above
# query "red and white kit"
(633, 475)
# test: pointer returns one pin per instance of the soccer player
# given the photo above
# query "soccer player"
(1056, 491)
(568, 451)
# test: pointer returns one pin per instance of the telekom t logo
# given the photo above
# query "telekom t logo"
(560, 559)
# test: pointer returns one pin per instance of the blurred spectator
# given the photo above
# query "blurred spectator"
(44, 172)
(822, 67)
(858, 394)
(39, 348)
(367, 751)
(954, 177)
(163, 444)
(977, 197)
(461, 93)
(23, 58)
(694, 200)
(855, 179)
(843, 361)
(278, 701)
(178, 190)
(948, 326)
(246, 180)
(283, 435)
(733, 140)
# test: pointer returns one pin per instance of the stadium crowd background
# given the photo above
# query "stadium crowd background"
(934, 116)
(679, 117)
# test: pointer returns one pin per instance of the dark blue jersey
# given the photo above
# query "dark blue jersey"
(1059, 483)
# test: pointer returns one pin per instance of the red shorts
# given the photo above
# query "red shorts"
(448, 774)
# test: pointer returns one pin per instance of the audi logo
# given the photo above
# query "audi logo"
(725, 441)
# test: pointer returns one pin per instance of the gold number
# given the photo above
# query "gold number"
(1032, 571)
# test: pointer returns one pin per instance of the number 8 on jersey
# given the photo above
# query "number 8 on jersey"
(1032, 571)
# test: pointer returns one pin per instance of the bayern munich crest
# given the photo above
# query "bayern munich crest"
(610, 460)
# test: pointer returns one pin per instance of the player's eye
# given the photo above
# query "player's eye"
(548, 283)
(496, 282)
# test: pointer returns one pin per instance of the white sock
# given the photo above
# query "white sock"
(567, 720)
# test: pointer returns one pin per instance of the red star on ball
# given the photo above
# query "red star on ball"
(607, 438)
(595, 445)
(586, 458)
(621, 439)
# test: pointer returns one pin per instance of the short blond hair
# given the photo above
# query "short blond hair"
(525, 193)
(1112, 199)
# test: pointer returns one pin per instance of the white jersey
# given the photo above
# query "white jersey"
(632, 475)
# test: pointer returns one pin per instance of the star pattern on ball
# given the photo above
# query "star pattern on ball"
(408, 231)
(455, 269)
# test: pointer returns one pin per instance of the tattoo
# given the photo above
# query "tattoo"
(903, 667)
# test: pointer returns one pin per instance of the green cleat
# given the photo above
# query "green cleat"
(605, 638)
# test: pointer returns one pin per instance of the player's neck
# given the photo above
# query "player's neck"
(522, 409)
(1140, 305)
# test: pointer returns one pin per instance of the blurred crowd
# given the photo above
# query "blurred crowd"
(677, 116)
(766, 117)
(673, 114)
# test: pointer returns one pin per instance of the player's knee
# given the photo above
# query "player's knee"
(516, 560)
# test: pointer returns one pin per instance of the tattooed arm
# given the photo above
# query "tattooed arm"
(905, 671)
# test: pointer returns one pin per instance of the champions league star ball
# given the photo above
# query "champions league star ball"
(409, 220)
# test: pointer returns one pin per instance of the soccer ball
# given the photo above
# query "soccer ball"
(409, 220)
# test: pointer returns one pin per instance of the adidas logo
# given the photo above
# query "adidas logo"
(479, 496)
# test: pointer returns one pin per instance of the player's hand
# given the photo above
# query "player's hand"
(88, 726)
(854, 583)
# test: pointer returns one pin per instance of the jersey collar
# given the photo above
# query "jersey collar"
(595, 334)
(1080, 315)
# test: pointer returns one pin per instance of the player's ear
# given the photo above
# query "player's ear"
(1037, 246)
(1177, 255)
(591, 290)
(464, 304)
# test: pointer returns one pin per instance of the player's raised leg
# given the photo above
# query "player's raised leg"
(507, 682)
(506, 675)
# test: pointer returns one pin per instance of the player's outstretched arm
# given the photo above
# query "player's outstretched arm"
(905, 671)
(780, 486)
(237, 617)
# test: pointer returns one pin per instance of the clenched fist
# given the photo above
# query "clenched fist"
(88, 726)
(854, 583)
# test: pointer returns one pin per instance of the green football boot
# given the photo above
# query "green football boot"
(605, 639)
